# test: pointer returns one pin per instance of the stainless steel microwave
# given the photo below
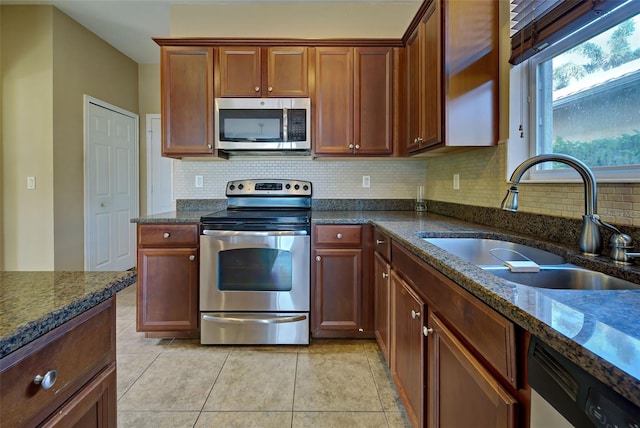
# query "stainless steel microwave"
(263, 124)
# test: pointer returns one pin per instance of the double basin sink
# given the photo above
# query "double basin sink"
(536, 268)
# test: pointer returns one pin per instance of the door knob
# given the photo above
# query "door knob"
(318, 258)
(426, 331)
(380, 241)
(192, 257)
(47, 380)
(415, 314)
(385, 275)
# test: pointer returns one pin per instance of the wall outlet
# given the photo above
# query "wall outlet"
(456, 181)
(199, 181)
(366, 181)
(31, 183)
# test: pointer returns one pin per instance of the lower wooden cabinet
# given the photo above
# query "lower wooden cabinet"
(382, 319)
(408, 350)
(167, 293)
(93, 406)
(342, 300)
(455, 361)
(457, 379)
(77, 363)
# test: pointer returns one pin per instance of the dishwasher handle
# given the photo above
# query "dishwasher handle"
(253, 233)
(262, 320)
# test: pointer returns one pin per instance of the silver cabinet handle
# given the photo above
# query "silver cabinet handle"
(426, 331)
(380, 241)
(339, 236)
(47, 380)
(166, 235)
(270, 89)
(415, 314)
(208, 146)
(385, 275)
(357, 146)
(257, 88)
(417, 140)
(351, 146)
(192, 257)
(318, 258)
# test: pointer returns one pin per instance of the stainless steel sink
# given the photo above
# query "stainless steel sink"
(566, 277)
(555, 272)
(492, 252)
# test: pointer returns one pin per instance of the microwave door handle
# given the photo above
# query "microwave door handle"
(284, 124)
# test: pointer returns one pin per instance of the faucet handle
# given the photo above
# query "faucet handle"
(621, 240)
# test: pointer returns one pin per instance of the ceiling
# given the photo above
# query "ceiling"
(129, 25)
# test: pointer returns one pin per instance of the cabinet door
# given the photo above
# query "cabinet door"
(414, 88)
(382, 283)
(337, 298)
(408, 355)
(167, 289)
(457, 378)
(287, 72)
(92, 406)
(240, 71)
(187, 101)
(431, 104)
(333, 110)
(373, 101)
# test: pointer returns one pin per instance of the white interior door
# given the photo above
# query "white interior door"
(159, 170)
(111, 186)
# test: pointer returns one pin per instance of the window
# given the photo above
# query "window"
(584, 101)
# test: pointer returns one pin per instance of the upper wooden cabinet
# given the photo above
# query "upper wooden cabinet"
(353, 101)
(251, 71)
(452, 77)
(187, 101)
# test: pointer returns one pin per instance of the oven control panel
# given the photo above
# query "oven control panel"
(268, 187)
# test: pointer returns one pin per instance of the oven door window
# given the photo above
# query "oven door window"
(255, 269)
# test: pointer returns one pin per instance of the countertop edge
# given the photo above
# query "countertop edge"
(34, 329)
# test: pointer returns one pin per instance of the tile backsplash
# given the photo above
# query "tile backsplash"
(331, 178)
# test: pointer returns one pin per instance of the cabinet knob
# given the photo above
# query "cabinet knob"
(351, 146)
(415, 314)
(339, 236)
(380, 241)
(209, 146)
(192, 257)
(385, 275)
(257, 88)
(357, 146)
(166, 235)
(426, 331)
(47, 380)
(318, 258)
(417, 140)
(270, 89)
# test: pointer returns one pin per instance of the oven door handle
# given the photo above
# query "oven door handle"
(265, 320)
(254, 233)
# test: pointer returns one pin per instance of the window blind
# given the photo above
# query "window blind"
(536, 24)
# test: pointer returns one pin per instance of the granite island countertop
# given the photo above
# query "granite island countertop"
(34, 303)
(611, 352)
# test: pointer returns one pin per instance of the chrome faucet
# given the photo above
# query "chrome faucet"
(590, 239)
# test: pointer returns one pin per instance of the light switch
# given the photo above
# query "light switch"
(199, 181)
(31, 183)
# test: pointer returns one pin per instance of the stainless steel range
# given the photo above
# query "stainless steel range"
(255, 265)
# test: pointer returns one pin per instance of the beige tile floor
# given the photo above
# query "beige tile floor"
(179, 383)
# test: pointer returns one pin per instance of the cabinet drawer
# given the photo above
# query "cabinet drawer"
(77, 350)
(170, 235)
(382, 244)
(338, 234)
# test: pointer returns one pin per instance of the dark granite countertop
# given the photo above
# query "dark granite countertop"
(611, 352)
(34, 303)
